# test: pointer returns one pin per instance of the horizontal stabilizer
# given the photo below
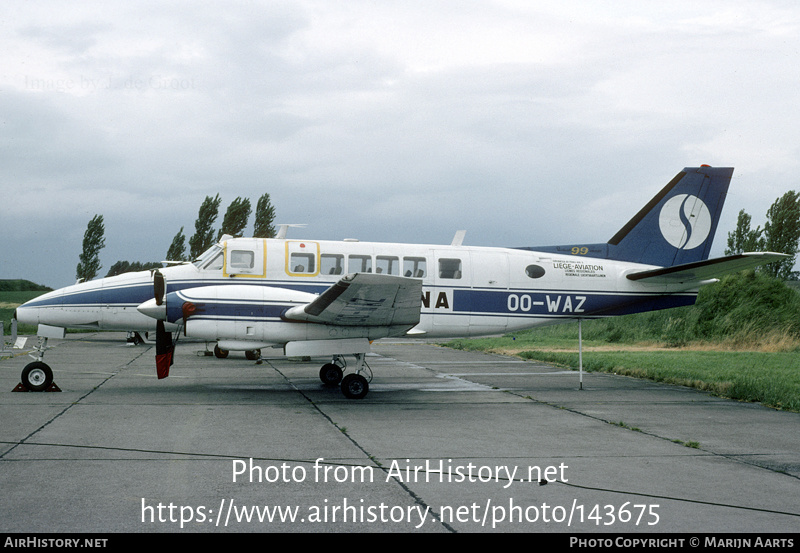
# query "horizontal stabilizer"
(706, 270)
(364, 299)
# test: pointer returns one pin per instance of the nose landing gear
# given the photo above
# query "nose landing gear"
(37, 376)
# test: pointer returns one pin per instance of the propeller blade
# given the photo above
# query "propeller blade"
(164, 349)
(159, 287)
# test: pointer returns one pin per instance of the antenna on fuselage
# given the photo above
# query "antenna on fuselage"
(458, 239)
(282, 229)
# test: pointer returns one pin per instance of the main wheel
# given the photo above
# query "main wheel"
(220, 353)
(354, 386)
(330, 374)
(252, 354)
(37, 376)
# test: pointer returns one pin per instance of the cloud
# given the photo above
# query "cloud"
(524, 123)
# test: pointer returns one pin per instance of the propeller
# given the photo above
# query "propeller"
(164, 344)
(157, 308)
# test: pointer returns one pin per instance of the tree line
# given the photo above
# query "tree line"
(781, 234)
(233, 224)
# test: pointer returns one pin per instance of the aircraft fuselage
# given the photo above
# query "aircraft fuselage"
(466, 290)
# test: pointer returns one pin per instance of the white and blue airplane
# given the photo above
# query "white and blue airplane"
(332, 298)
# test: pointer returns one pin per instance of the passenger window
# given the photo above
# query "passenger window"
(359, 264)
(387, 265)
(450, 268)
(242, 259)
(331, 264)
(415, 267)
(534, 271)
(302, 263)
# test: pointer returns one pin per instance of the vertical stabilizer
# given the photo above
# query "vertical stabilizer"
(678, 225)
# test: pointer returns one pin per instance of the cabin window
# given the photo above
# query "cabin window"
(534, 271)
(415, 267)
(359, 264)
(302, 263)
(215, 264)
(242, 259)
(387, 265)
(331, 264)
(211, 255)
(450, 268)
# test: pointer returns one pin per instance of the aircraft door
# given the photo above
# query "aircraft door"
(245, 258)
(302, 258)
(445, 301)
(489, 293)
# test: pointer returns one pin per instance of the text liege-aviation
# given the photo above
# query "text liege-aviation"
(322, 298)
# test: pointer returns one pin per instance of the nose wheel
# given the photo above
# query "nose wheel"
(37, 376)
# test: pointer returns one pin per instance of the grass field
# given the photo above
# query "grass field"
(769, 377)
(741, 340)
(10, 300)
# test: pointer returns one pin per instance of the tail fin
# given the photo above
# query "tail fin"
(677, 226)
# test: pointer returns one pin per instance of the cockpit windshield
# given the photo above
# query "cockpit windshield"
(210, 259)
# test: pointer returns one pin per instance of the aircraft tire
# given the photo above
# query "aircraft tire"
(253, 354)
(330, 374)
(37, 376)
(220, 353)
(354, 386)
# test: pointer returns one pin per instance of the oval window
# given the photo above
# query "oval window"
(534, 271)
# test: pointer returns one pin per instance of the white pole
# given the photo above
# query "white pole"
(580, 352)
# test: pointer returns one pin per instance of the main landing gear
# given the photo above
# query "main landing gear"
(250, 355)
(354, 385)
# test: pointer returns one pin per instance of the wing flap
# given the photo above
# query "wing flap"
(364, 299)
(705, 270)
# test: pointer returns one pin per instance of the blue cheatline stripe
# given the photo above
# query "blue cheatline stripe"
(557, 303)
(477, 302)
(128, 295)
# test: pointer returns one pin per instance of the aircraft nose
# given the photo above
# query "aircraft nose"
(151, 309)
(26, 315)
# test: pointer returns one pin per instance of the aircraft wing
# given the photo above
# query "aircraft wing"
(364, 299)
(705, 270)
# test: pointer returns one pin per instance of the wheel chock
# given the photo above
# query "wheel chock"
(21, 388)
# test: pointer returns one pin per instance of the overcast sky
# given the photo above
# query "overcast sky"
(523, 122)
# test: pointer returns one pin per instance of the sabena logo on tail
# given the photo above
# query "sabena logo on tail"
(685, 221)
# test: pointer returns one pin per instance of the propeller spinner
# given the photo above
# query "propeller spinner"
(157, 307)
